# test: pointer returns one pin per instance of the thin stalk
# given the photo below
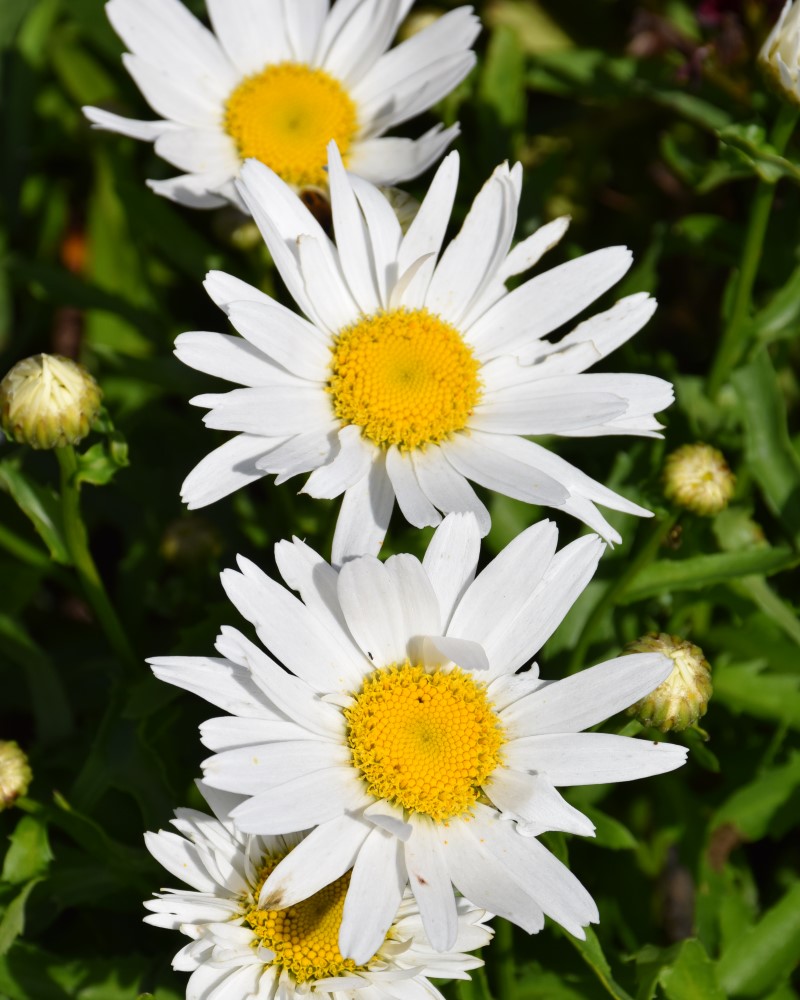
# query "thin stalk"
(78, 546)
(501, 961)
(659, 530)
(734, 337)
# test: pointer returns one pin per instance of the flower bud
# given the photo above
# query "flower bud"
(697, 477)
(48, 401)
(780, 54)
(683, 697)
(15, 773)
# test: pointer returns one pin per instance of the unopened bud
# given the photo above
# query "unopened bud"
(15, 773)
(683, 697)
(780, 54)
(698, 478)
(48, 401)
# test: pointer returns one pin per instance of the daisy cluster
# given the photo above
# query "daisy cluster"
(389, 755)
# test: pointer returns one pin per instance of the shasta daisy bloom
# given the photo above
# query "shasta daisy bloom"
(278, 79)
(400, 733)
(414, 373)
(241, 950)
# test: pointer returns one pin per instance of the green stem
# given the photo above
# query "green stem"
(501, 961)
(734, 337)
(659, 530)
(78, 545)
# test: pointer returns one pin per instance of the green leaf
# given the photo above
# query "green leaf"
(750, 141)
(100, 463)
(692, 975)
(752, 808)
(39, 504)
(609, 832)
(768, 449)
(29, 855)
(764, 954)
(12, 923)
(699, 572)
(591, 952)
(780, 316)
(751, 688)
(501, 85)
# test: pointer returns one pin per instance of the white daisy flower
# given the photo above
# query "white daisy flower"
(278, 79)
(409, 376)
(400, 728)
(242, 951)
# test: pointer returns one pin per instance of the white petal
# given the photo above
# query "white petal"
(365, 35)
(545, 607)
(278, 411)
(325, 285)
(447, 489)
(223, 471)
(429, 879)
(472, 258)
(376, 888)
(427, 231)
(146, 131)
(254, 769)
(451, 559)
(463, 652)
(349, 467)
(544, 407)
(251, 32)
(284, 337)
(173, 100)
(589, 697)
(384, 233)
(488, 611)
(351, 236)
(320, 653)
(532, 799)
(228, 733)
(181, 858)
(220, 682)
(476, 458)
(415, 506)
(165, 33)
(300, 453)
(199, 151)
(364, 515)
(319, 859)
(303, 25)
(224, 289)
(226, 357)
(298, 805)
(593, 758)
(394, 160)
(192, 190)
(545, 302)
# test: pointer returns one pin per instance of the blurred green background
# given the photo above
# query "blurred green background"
(649, 125)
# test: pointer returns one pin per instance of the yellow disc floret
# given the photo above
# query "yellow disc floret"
(286, 115)
(304, 937)
(425, 741)
(405, 377)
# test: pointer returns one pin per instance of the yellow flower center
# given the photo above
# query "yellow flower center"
(286, 115)
(405, 377)
(424, 741)
(305, 937)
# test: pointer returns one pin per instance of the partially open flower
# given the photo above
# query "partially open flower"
(47, 401)
(682, 699)
(780, 54)
(15, 773)
(697, 477)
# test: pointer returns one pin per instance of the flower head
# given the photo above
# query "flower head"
(415, 373)
(682, 699)
(48, 401)
(780, 53)
(239, 948)
(400, 729)
(277, 80)
(697, 477)
(15, 773)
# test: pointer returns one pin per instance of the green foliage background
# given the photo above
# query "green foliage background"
(647, 123)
